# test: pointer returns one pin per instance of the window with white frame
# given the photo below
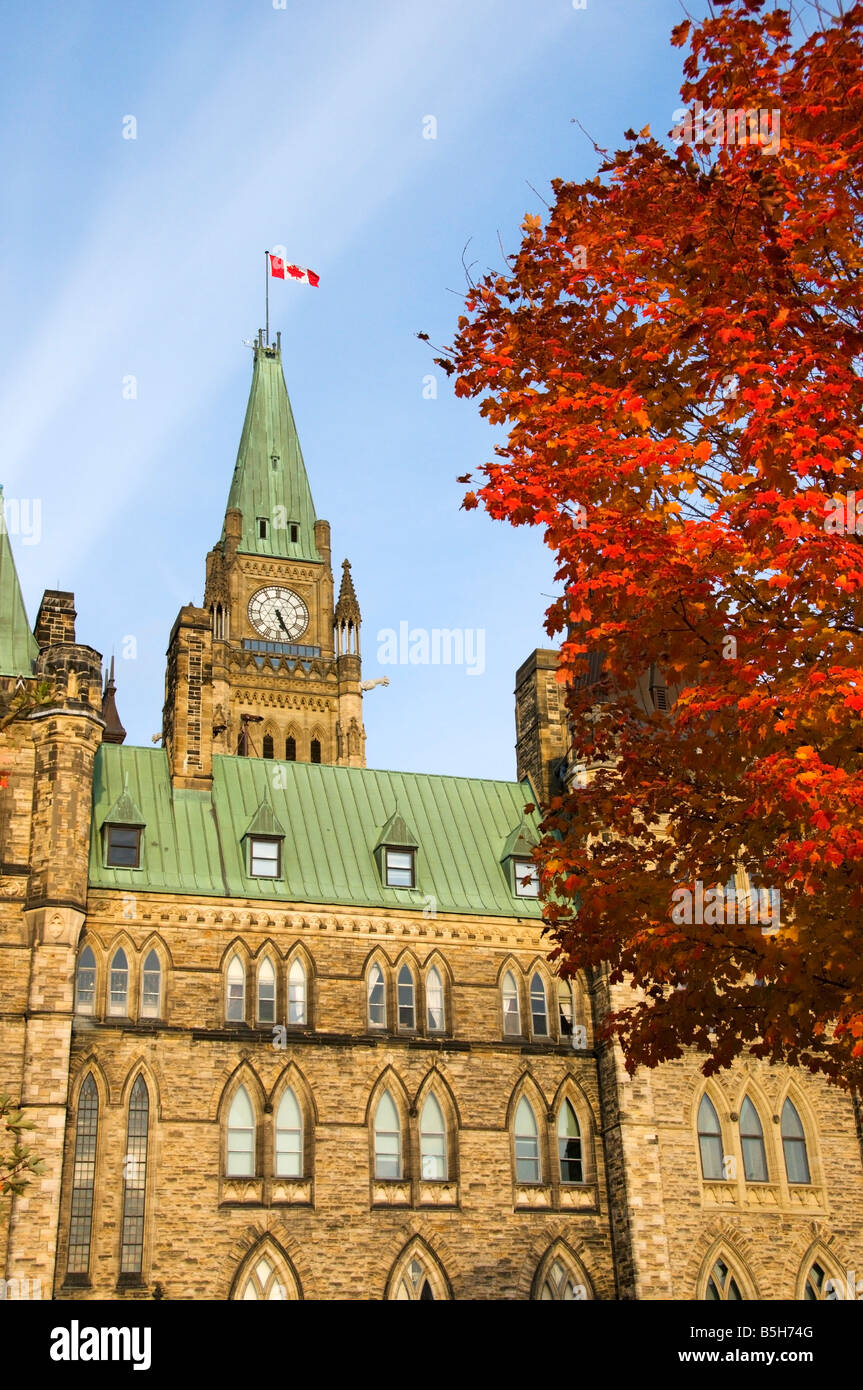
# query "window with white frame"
(400, 868)
(569, 1145)
(538, 1006)
(85, 982)
(527, 1160)
(406, 999)
(794, 1145)
(265, 857)
(289, 1137)
(266, 991)
(710, 1142)
(297, 1005)
(118, 984)
(377, 997)
(511, 1011)
(151, 986)
(235, 982)
(752, 1143)
(240, 1151)
(526, 878)
(433, 1157)
(388, 1139)
(434, 1001)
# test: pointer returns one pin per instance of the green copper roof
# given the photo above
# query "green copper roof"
(270, 477)
(396, 832)
(18, 649)
(264, 822)
(332, 819)
(520, 841)
(124, 811)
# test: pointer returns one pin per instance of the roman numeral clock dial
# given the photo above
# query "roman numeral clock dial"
(279, 615)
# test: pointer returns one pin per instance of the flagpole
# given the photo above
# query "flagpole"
(267, 291)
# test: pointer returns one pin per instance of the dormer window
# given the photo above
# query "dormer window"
(263, 844)
(396, 853)
(122, 830)
(526, 876)
(400, 868)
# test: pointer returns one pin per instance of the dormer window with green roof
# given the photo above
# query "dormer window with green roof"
(122, 830)
(263, 844)
(396, 854)
(518, 863)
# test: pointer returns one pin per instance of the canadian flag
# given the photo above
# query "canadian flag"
(282, 271)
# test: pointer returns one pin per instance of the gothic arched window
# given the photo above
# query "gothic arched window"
(433, 1154)
(85, 984)
(722, 1285)
(377, 997)
(240, 1153)
(752, 1143)
(151, 986)
(290, 749)
(297, 1004)
(135, 1179)
(235, 1002)
(434, 1001)
(118, 984)
(266, 991)
(710, 1142)
(794, 1145)
(562, 1283)
(268, 747)
(511, 1012)
(538, 1006)
(289, 1137)
(388, 1139)
(316, 750)
(83, 1177)
(569, 1144)
(414, 1284)
(407, 1005)
(527, 1163)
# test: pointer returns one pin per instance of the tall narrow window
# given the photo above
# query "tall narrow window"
(118, 1001)
(262, 528)
(85, 985)
(710, 1142)
(565, 1008)
(266, 991)
(135, 1179)
(297, 992)
(241, 1137)
(268, 747)
(527, 1167)
(794, 1145)
(377, 998)
(511, 1013)
(433, 1141)
(407, 1009)
(388, 1139)
(569, 1145)
(816, 1290)
(83, 1178)
(316, 750)
(290, 749)
(151, 986)
(434, 1001)
(538, 1006)
(752, 1143)
(289, 1138)
(235, 1004)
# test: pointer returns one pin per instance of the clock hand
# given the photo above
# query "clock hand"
(281, 622)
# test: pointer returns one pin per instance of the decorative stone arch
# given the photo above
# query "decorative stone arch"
(300, 952)
(528, 1087)
(748, 1085)
(406, 958)
(835, 1272)
(266, 1273)
(292, 1077)
(435, 1083)
(539, 966)
(316, 734)
(791, 1090)
(89, 940)
(735, 1253)
(270, 729)
(417, 1275)
(122, 941)
(561, 1276)
(244, 1075)
(510, 966)
(268, 950)
(154, 1084)
(711, 1088)
(570, 1090)
(89, 1065)
(236, 947)
(436, 961)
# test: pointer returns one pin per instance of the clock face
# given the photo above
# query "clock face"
(278, 614)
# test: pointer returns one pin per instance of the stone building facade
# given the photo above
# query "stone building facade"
(285, 1022)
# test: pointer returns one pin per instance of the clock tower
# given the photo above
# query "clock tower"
(269, 666)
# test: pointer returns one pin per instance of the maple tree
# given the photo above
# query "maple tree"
(674, 352)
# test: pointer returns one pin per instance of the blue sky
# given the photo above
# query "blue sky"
(303, 127)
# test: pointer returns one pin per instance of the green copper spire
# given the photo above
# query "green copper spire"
(18, 648)
(270, 486)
